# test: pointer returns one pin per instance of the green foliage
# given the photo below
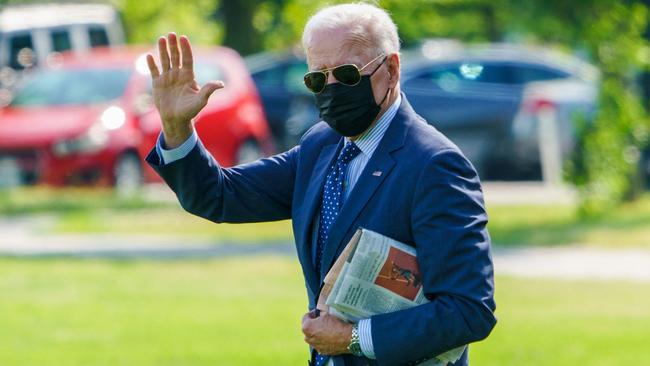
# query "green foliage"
(611, 34)
(282, 22)
(145, 21)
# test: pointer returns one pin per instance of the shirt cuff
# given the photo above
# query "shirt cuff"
(365, 339)
(168, 156)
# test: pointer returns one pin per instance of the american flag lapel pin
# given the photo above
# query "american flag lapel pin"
(377, 173)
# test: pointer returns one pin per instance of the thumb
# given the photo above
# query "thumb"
(209, 88)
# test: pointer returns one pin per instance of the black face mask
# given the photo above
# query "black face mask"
(349, 110)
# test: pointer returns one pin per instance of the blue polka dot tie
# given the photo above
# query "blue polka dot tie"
(333, 197)
(331, 205)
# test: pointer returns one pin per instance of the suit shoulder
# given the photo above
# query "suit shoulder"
(437, 156)
(426, 139)
(320, 132)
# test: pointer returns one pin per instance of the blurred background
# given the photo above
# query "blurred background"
(100, 265)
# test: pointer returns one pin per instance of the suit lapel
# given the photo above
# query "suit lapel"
(313, 198)
(378, 168)
(360, 195)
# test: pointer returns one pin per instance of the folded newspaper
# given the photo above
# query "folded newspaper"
(374, 275)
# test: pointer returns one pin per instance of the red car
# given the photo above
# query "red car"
(90, 119)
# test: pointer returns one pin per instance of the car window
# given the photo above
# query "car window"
(271, 77)
(21, 51)
(60, 40)
(470, 72)
(97, 36)
(294, 77)
(72, 87)
(529, 73)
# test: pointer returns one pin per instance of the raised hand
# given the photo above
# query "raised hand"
(177, 95)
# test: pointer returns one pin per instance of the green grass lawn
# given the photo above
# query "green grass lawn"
(247, 311)
(86, 211)
(172, 221)
(515, 225)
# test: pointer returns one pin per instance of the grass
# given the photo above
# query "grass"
(101, 211)
(544, 322)
(42, 199)
(516, 225)
(86, 211)
(247, 311)
(172, 221)
(151, 313)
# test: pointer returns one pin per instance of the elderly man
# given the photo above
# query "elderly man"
(371, 162)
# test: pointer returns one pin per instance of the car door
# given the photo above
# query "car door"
(275, 96)
(471, 101)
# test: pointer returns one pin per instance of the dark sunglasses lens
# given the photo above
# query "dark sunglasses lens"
(315, 81)
(347, 74)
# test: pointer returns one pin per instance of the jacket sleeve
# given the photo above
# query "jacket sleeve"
(448, 221)
(253, 192)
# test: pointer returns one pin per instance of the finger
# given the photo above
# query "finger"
(153, 69)
(164, 55)
(173, 51)
(306, 320)
(305, 317)
(186, 52)
(312, 341)
(209, 88)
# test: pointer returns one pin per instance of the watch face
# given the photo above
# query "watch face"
(357, 351)
(355, 346)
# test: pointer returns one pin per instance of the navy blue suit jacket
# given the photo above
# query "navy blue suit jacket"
(428, 195)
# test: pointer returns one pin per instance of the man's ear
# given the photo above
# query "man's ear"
(394, 68)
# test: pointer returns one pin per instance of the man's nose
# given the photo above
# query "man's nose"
(330, 78)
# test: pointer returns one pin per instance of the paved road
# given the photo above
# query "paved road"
(123, 247)
(572, 262)
(575, 262)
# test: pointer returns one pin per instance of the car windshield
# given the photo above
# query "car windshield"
(72, 87)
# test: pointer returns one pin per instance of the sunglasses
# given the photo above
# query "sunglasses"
(348, 74)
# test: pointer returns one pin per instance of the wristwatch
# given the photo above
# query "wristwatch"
(355, 347)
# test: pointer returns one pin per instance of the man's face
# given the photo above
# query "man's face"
(337, 47)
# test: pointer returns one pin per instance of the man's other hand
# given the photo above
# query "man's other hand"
(326, 333)
(177, 95)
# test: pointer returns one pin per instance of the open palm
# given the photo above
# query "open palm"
(177, 95)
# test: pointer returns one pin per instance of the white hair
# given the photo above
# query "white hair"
(362, 21)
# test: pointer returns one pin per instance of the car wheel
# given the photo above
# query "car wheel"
(128, 174)
(249, 151)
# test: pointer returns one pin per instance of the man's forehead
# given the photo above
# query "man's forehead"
(333, 48)
(319, 61)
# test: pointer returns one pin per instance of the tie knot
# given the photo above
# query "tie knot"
(350, 151)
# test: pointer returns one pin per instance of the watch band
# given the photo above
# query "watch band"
(355, 346)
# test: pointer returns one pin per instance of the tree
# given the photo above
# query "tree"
(611, 34)
(237, 18)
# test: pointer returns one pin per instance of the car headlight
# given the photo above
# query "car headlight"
(96, 137)
(113, 118)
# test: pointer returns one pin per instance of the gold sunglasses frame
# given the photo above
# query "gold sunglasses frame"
(328, 70)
